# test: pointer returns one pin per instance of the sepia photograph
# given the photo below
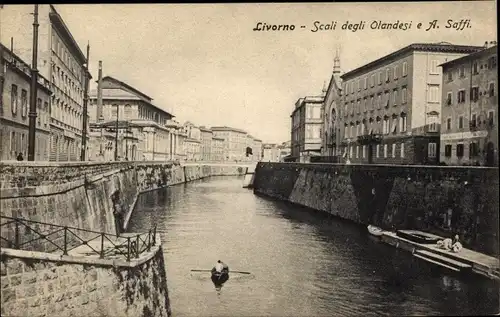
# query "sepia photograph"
(249, 159)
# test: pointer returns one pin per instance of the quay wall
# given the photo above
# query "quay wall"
(85, 195)
(41, 284)
(440, 200)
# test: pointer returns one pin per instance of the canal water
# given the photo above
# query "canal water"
(303, 263)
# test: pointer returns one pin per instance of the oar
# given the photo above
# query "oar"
(229, 271)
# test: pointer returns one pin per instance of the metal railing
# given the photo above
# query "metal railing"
(28, 235)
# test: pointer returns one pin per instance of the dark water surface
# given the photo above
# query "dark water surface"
(303, 263)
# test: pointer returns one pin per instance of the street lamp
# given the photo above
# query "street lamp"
(33, 92)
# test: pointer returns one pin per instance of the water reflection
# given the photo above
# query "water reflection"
(303, 263)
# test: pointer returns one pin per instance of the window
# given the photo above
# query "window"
(46, 111)
(461, 72)
(402, 154)
(402, 124)
(434, 67)
(448, 124)
(377, 151)
(380, 78)
(396, 71)
(432, 150)
(371, 101)
(394, 125)
(379, 100)
(491, 118)
(364, 151)
(474, 94)
(403, 95)
(385, 150)
(364, 104)
(387, 75)
(24, 103)
(433, 123)
(372, 81)
(492, 62)
(357, 151)
(358, 106)
(394, 150)
(387, 99)
(460, 122)
(460, 150)
(461, 96)
(433, 93)
(395, 97)
(450, 76)
(472, 122)
(114, 111)
(473, 149)
(405, 69)
(474, 68)
(350, 151)
(448, 98)
(447, 150)
(13, 99)
(491, 89)
(352, 87)
(39, 107)
(359, 84)
(385, 126)
(366, 83)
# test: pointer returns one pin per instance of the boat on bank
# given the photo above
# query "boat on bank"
(418, 236)
(219, 278)
(376, 231)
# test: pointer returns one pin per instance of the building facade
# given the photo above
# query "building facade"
(285, 151)
(307, 123)
(391, 107)
(333, 97)
(469, 121)
(270, 152)
(15, 88)
(62, 62)
(152, 128)
(217, 149)
(193, 149)
(235, 141)
(257, 150)
(206, 144)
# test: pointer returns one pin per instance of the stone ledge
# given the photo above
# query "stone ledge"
(42, 256)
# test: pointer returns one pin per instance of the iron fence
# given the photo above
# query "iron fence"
(29, 235)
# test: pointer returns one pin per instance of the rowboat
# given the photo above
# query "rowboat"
(219, 278)
(376, 231)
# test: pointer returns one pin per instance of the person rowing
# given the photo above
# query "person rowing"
(221, 266)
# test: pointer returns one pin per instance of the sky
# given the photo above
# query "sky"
(204, 63)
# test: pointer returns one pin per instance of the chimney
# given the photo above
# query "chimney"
(100, 117)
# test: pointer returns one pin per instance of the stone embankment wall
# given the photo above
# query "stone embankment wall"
(82, 195)
(440, 200)
(40, 284)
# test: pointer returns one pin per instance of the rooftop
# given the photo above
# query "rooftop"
(475, 55)
(58, 21)
(225, 128)
(424, 47)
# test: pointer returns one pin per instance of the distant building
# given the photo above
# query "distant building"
(270, 152)
(235, 141)
(15, 86)
(307, 123)
(61, 61)
(257, 150)
(285, 151)
(217, 150)
(469, 122)
(206, 144)
(152, 136)
(391, 106)
(333, 98)
(193, 149)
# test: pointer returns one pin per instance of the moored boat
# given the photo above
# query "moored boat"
(376, 231)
